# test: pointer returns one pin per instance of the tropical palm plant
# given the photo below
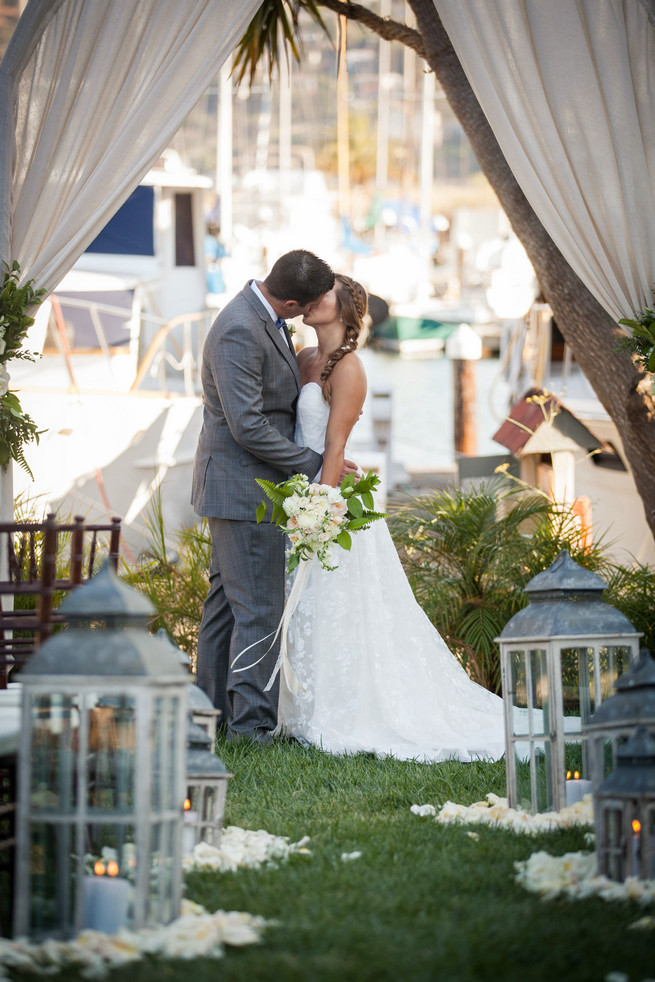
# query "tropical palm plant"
(175, 581)
(468, 556)
(632, 590)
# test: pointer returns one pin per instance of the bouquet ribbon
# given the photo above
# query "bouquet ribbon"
(283, 662)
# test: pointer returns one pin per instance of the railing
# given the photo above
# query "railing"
(174, 352)
(168, 351)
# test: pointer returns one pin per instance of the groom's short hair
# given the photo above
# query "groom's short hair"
(299, 275)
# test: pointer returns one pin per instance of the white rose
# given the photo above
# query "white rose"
(292, 504)
(4, 383)
(3, 345)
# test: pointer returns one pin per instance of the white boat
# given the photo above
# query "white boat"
(117, 386)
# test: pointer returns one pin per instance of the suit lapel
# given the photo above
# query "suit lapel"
(287, 351)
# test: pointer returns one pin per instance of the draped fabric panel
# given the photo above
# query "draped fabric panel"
(91, 92)
(567, 87)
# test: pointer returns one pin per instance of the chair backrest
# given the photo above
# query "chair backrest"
(31, 579)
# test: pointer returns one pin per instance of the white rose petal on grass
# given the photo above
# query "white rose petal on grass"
(241, 848)
(347, 857)
(643, 924)
(193, 935)
(495, 811)
(574, 875)
(423, 810)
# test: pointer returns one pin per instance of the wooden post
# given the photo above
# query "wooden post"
(464, 407)
(464, 348)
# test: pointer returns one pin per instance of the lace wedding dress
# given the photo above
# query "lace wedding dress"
(374, 673)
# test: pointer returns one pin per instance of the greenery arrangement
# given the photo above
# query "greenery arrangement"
(16, 427)
(641, 342)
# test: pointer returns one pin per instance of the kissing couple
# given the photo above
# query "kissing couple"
(375, 676)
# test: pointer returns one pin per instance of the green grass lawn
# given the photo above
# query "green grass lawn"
(424, 902)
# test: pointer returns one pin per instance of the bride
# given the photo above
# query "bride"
(374, 674)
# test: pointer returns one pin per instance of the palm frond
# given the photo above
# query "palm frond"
(275, 21)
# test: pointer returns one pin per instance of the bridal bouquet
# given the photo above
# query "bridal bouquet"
(318, 516)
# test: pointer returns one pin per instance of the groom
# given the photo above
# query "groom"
(251, 384)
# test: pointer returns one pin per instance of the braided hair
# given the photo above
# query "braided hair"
(352, 304)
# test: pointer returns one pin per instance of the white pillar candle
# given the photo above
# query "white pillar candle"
(106, 901)
(189, 832)
(576, 790)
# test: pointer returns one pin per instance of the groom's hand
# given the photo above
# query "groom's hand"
(348, 468)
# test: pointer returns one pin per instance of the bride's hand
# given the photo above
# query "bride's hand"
(348, 468)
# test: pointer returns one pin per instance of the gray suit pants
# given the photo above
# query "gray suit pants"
(243, 606)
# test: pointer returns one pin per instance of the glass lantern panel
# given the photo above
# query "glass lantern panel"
(577, 672)
(529, 691)
(51, 860)
(533, 787)
(162, 872)
(55, 737)
(611, 848)
(111, 753)
(540, 700)
(613, 661)
(648, 839)
(109, 872)
(163, 754)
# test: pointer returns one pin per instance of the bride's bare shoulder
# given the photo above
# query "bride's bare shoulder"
(350, 368)
(349, 373)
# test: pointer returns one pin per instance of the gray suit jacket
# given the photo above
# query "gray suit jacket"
(251, 384)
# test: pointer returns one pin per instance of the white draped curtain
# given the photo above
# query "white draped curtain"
(91, 92)
(567, 87)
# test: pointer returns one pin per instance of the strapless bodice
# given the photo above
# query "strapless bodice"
(311, 417)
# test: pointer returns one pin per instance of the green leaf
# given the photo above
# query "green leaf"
(294, 560)
(355, 507)
(344, 540)
(642, 332)
(348, 484)
(11, 401)
(368, 499)
(261, 512)
(651, 361)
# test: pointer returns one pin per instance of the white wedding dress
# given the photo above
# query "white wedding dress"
(374, 674)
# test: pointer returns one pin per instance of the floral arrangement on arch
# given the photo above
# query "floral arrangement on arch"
(16, 427)
(641, 343)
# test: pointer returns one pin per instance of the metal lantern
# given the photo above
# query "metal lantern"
(202, 710)
(101, 770)
(619, 716)
(625, 812)
(204, 805)
(560, 657)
